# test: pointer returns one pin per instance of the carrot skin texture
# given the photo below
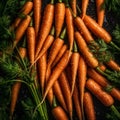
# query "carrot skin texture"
(96, 89)
(96, 29)
(89, 106)
(21, 30)
(100, 12)
(30, 34)
(59, 17)
(37, 6)
(59, 113)
(45, 28)
(90, 59)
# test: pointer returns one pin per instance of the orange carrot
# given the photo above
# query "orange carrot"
(61, 52)
(30, 34)
(59, 17)
(73, 4)
(84, 7)
(97, 90)
(69, 25)
(66, 92)
(100, 12)
(37, 7)
(48, 42)
(83, 29)
(25, 10)
(59, 95)
(42, 66)
(21, 30)
(56, 72)
(46, 25)
(89, 106)
(90, 59)
(82, 74)
(74, 66)
(104, 83)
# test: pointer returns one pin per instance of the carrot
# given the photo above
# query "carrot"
(25, 10)
(73, 4)
(83, 29)
(48, 42)
(21, 30)
(16, 87)
(74, 66)
(59, 17)
(63, 80)
(90, 59)
(97, 90)
(58, 57)
(30, 34)
(37, 7)
(100, 12)
(69, 25)
(82, 73)
(46, 25)
(103, 82)
(56, 72)
(42, 66)
(50, 96)
(89, 106)
(84, 7)
(59, 95)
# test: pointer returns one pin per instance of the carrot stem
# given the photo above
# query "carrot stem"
(63, 34)
(52, 31)
(52, 2)
(114, 45)
(60, 1)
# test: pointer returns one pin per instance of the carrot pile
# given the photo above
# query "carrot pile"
(58, 40)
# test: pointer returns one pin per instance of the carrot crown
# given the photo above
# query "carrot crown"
(75, 47)
(62, 35)
(60, 1)
(67, 3)
(54, 103)
(52, 2)
(52, 32)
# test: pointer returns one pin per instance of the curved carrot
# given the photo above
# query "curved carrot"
(100, 12)
(37, 7)
(46, 25)
(59, 17)
(89, 106)
(73, 4)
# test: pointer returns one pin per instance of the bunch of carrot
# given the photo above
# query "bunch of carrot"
(57, 46)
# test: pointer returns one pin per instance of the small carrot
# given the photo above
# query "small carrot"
(59, 17)
(90, 59)
(73, 4)
(20, 31)
(46, 25)
(42, 66)
(63, 80)
(84, 7)
(56, 72)
(100, 12)
(89, 106)
(59, 95)
(69, 25)
(58, 57)
(82, 77)
(37, 8)
(48, 42)
(30, 35)
(25, 10)
(74, 61)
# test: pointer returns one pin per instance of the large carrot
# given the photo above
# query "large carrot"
(25, 10)
(89, 106)
(56, 72)
(74, 66)
(46, 25)
(30, 35)
(21, 30)
(48, 42)
(91, 60)
(104, 83)
(69, 25)
(63, 80)
(100, 12)
(84, 7)
(59, 17)
(73, 4)
(82, 77)
(37, 7)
